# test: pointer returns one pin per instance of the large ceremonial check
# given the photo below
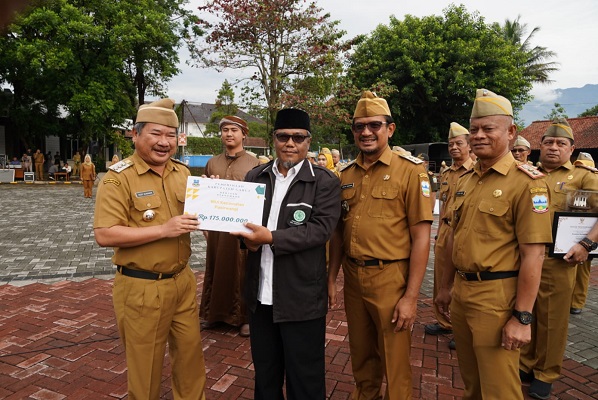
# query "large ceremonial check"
(568, 228)
(223, 205)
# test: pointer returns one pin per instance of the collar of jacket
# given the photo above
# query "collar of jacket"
(306, 172)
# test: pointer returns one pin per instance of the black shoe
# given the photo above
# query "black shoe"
(526, 377)
(436, 329)
(209, 325)
(452, 345)
(575, 311)
(540, 390)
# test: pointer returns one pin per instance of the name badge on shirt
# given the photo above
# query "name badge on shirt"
(144, 194)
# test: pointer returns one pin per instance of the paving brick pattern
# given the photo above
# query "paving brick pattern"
(58, 338)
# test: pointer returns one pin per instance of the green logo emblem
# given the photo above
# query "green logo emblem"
(261, 189)
(299, 215)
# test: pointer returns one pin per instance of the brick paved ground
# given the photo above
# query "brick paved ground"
(58, 338)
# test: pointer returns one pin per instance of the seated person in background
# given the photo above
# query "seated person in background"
(15, 161)
(67, 168)
(52, 170)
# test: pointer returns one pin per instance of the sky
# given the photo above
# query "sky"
(568, 28)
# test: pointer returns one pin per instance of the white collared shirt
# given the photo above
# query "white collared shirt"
(281, 187)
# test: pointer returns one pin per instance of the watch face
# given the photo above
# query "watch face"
(526, 318)
(594, 246)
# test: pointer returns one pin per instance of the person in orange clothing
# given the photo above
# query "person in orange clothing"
(39, 160)
(88, 176)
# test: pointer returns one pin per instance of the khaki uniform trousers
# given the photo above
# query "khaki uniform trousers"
(440, 261)
(371, 294)
(39, 172)
(582, 281)
(479, 311)
(150, 313)
(544, 354)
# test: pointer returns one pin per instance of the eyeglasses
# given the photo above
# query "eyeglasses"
(284, 137)
(373, 126)
(518, 151)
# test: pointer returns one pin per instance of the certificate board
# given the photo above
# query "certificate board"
(568, 228)
(223, 205)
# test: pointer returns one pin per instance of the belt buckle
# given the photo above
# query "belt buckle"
(361, 263)
(462, 274)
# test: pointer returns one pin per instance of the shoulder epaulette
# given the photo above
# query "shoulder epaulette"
(179, 162)
(121, 165)
(411, 158)
(344, 167)
(595, 170)
(531, 171)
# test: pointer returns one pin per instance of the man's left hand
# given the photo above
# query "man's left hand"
(576, 254)
(258, 236)
(515, 335)
(404, 314)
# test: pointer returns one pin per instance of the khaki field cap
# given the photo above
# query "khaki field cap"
(370, 106)
(520, 141)
(559, 128)
(457, 130)
(159, 112)
(234, 120)
(487, 103)
(585, 159)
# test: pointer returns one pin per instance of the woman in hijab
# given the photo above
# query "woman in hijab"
(88, 176)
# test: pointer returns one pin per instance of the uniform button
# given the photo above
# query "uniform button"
(357, 217)
(367, 176)
(480, 182)
(353, 240)
(491, 208)
(363, 196)
(149, 204)
(383, 193)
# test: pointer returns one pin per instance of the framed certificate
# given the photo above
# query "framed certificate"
(223, 205)
(568, 228)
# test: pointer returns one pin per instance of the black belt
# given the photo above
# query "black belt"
(487, 275)
(135, 273)
(370, 263)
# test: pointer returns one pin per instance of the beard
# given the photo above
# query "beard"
(288, 164)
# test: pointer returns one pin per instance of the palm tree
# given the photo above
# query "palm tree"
(537, 67)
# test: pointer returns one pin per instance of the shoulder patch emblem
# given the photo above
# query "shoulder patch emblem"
(112, 181)
(425, 188)
(121, 165)
(530, 171)
(540, 203)
(409, 157)
(423, 175)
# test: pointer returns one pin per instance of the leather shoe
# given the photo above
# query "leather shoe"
(526, 377)
(436, 329)
(539, 390)
(575, 311)
(244, 330)
(452, 345)
(208, 325)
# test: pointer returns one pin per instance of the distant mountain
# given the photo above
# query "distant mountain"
(573, 100)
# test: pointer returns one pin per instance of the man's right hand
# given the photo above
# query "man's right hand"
(180, 224)
(442, 302)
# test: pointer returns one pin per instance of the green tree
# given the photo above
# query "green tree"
(590, 112)
(80, 67)
(558, 111)
(537, 66)
(276, 41)
(436, 63)
(225, 105)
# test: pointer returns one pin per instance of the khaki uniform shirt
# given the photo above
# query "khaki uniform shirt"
(123, 198)
(380, 204)
(568, 178)
(448, 184)
(494, 212)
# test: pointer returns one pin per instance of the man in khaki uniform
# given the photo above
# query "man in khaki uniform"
(39, 160)
(542, 360)
(500, 224)
(139, 211)
(521, 149)
(458, 146)
(383, 241)
(582, 277)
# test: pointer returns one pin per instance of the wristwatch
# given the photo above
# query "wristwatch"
(588, 244)
(524, 317)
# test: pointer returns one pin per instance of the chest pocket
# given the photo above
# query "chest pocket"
(383, 201)
(559, 198)
(444, 191)
(492, 218)
(297, 214)
(141, 205)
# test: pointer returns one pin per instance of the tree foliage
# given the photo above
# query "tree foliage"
(436, 63)
(277, 41)
(80, 67)
(590, 112)
(225, 105)
(558, 111)
(537, 66)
